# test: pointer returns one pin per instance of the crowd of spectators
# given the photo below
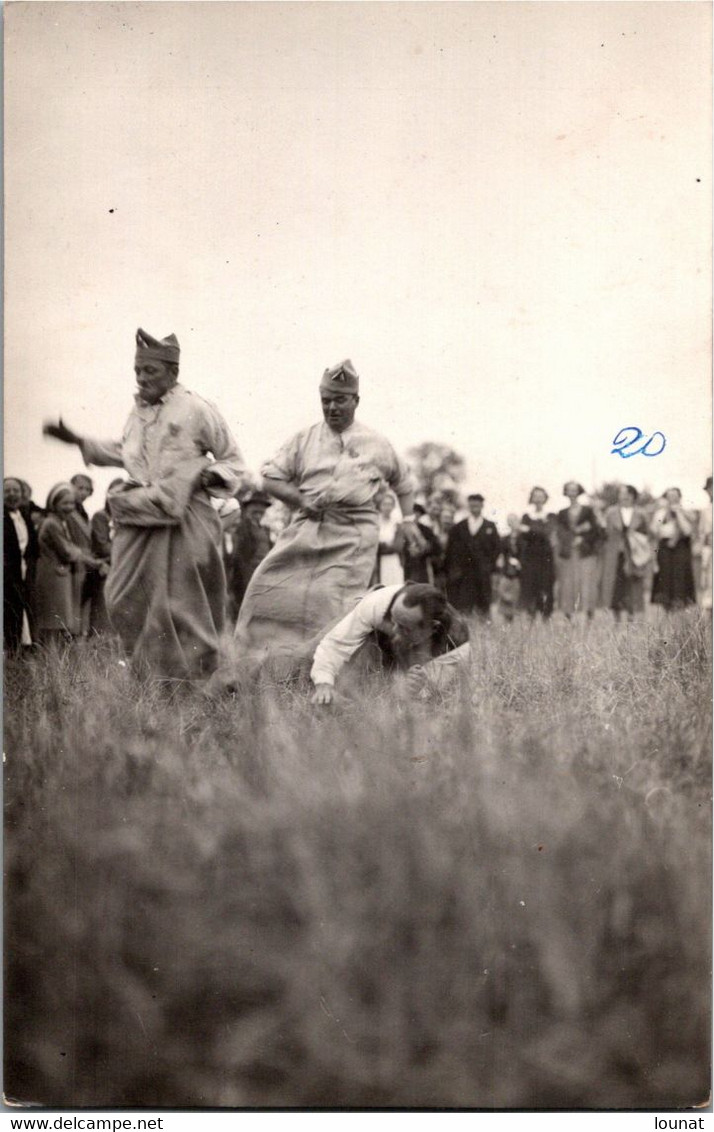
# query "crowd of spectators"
(575, 559)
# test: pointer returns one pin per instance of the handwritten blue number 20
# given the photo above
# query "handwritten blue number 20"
(629, 437)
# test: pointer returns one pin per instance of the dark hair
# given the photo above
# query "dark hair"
(632, 490)
(534, 490)
(448, 628)
(581, 489)
(475, 495)
(679, 493)
(80, 478)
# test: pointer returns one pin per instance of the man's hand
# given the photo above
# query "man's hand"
(60, 432)
(324, 694)
(417, 679)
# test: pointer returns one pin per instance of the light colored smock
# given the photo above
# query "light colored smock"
(165, 592)
(319, 567)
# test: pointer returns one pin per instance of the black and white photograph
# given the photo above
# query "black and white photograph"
(358, 557)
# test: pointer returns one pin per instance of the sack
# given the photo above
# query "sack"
(639, 552)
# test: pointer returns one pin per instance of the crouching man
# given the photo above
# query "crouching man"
(406, 625)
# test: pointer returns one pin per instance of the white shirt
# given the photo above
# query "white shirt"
(23, 537)
(626, 515)
(343, 640)
(475, 524)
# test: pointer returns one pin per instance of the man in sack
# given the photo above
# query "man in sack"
(166, 588)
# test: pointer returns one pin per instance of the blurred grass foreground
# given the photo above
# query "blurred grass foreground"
(498, 900)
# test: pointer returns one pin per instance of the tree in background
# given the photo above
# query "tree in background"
(608, 493)
(437, 467)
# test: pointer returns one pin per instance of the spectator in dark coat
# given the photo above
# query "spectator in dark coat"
(102, 534)
(673, 527)
(251, 543)
(471, 554)
(422, 562)
(81, 533)
(20, 552)
(432, 516)
(537, 559)
(36, 513)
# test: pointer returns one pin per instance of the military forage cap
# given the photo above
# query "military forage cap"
(340, 379)
(158, 349)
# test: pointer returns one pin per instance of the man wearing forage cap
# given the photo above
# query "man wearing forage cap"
(322, 562)
(165, 592)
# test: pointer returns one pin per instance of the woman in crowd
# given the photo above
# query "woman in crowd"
(509, 564)
(61, 561)
(80, 533)
(578, 535)
(422, 561)
(390, 571)
(626, 556)
(672, 527)
(19, 557)
(537, 560)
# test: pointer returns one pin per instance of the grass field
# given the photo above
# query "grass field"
(498, 900)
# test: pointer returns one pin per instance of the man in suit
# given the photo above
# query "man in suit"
(471, 554)
(251, 543)
(27, 502)
(19, 556)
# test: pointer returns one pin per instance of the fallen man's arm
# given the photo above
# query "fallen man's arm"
(343, 640)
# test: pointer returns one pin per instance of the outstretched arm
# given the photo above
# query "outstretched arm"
(60, 431)
(104, 453)
(343, 640)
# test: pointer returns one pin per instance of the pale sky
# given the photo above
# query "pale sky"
(501, 212)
